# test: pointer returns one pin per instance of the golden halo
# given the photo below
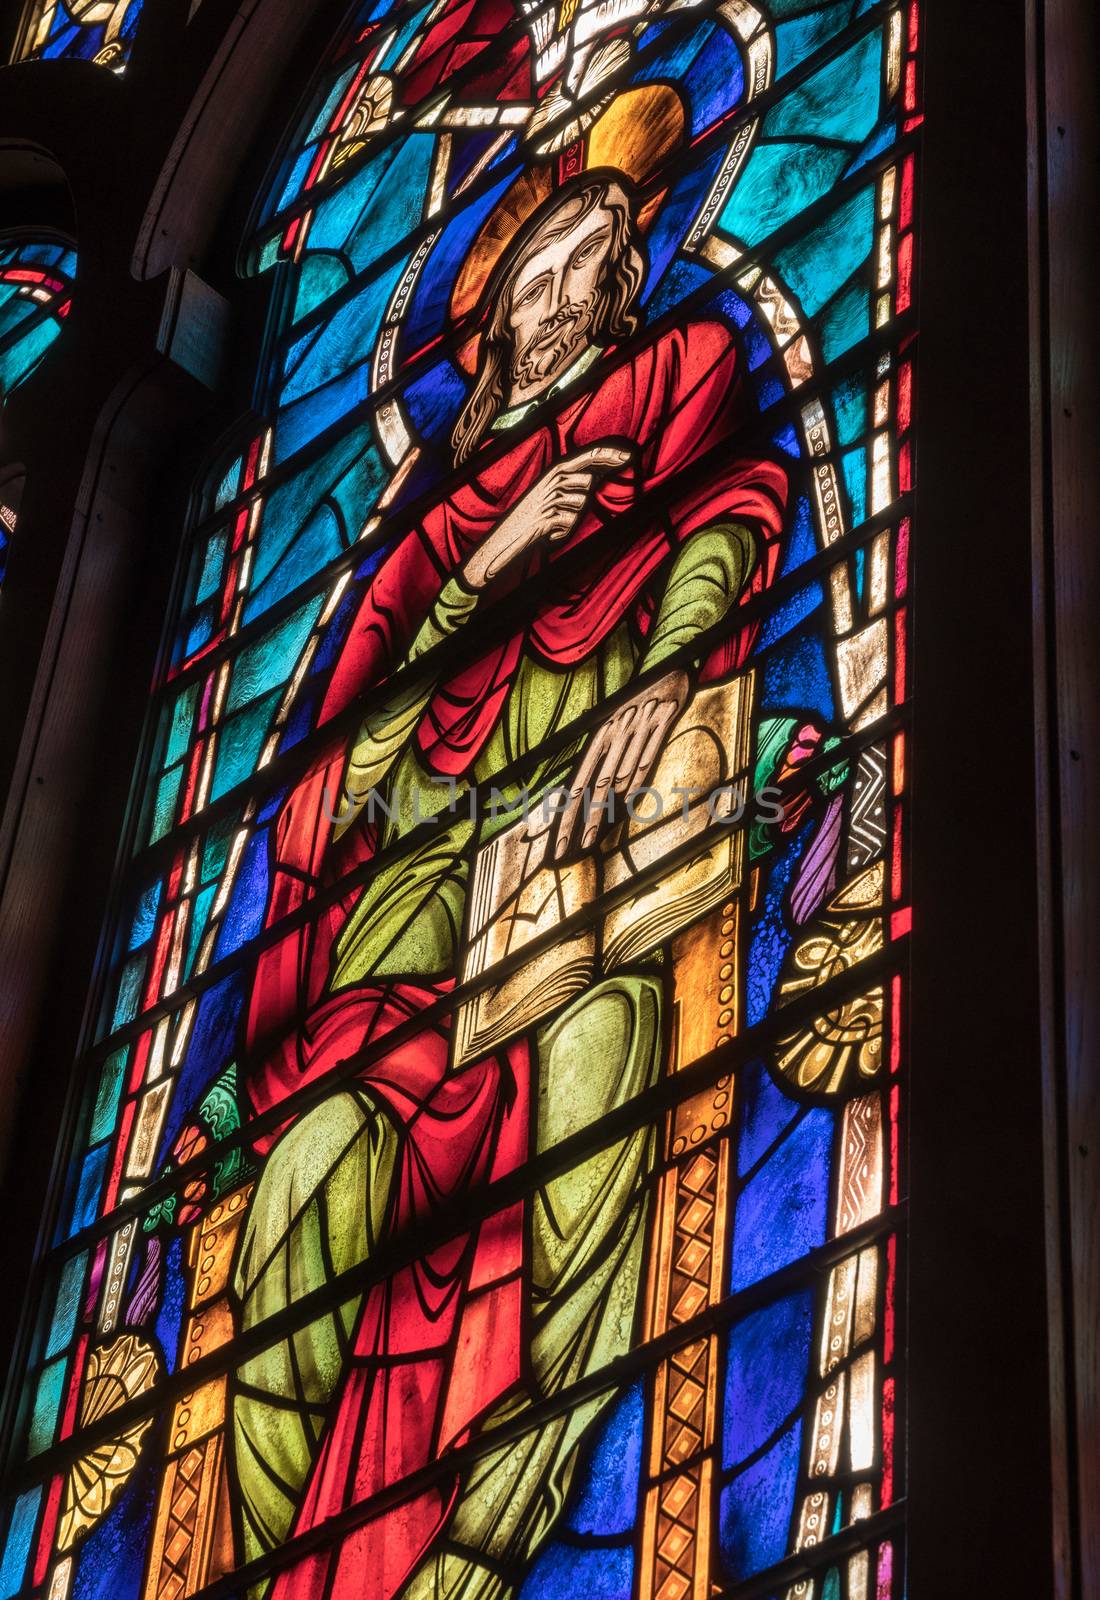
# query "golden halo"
(633, 136)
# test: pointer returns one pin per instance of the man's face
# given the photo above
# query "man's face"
(554, 299)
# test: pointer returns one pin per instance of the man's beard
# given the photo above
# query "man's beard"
(554, 343)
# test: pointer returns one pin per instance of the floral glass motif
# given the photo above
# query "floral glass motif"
(83, 30)
(476, 1193)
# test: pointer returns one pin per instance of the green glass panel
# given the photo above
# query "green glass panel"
(67, 1304)
(240, 744)
(272, 659)
(47, 1404)
(111, 1077)
(129, 992)
(213, 561)
(183, 717)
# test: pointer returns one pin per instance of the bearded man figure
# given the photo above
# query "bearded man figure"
(561, 435)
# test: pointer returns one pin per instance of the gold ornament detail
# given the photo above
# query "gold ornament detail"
(116, 1374)
(367, 116)
(112, 56)
(821, 1056)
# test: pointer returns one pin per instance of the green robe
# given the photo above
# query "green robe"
(322, 1197)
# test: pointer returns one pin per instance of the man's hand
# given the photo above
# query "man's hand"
(618, 761)
(549, 511)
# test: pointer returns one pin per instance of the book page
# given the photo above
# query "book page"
(517, 896)
(700, 781)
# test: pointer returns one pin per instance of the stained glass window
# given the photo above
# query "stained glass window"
(36, 284)
(84, 30)
(11, 494)
(486, 1169)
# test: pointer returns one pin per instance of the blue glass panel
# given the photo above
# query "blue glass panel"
(797, 675)
(817, 265)
(89, 1188)
(607, 1497)
(343, 342)
(432, 297)
(788, 616)
(170, 1311)
(244, 913)
(213, 563)
(30, 309)
(320, 276)
(330, 102)
(779, 181)
(228, 486)
(179, 736)
(768, 1357)
(336, 216)
(19, 360)
(770, 936)
(802, 539)
(563, 1571)
(145, 918)
(203, 901)
(799, 38)
(880, 140)
(755, 1510)
(164, 806)
(298, 424)
(212, 1048)
(782, 1212)
(394, 209)
(850, 408)
(681, 278)
(17, 1545)
(765, 1112)
(839, 102)
(846, 322)
(854, 466)
(296, 178)
(313, 517)
(403, 37)
(717, 81)
(676, 216)
(113, 1556)
(673, 63)
(435, 400)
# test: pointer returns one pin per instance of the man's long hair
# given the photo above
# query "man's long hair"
(613, 316)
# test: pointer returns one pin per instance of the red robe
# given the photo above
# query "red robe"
(440, 1342)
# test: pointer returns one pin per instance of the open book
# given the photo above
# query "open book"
(517, 895)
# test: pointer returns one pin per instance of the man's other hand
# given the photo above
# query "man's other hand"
(618, 761)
